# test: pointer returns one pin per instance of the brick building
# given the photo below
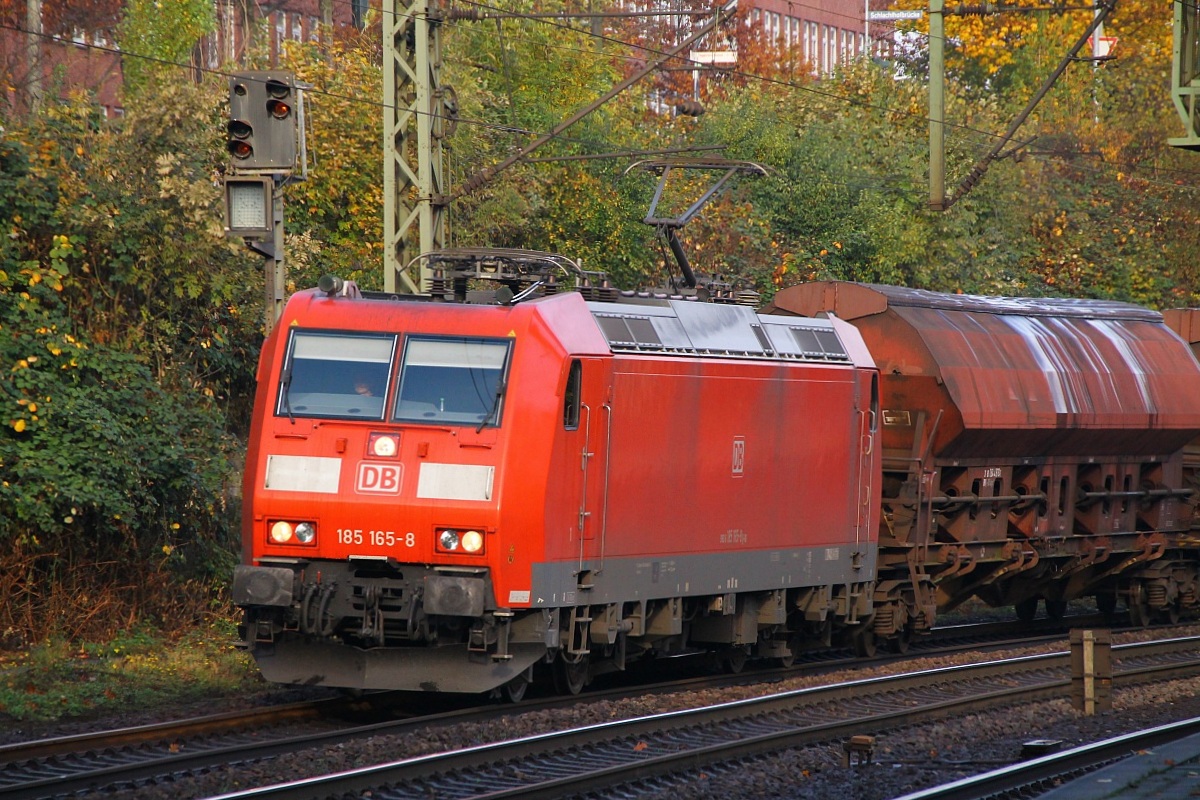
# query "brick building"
(71, 50)
(824, 33)
(77, 50)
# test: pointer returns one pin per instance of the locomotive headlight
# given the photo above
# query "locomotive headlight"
(281, 532)
(472, 541)
(383, 445)
(459, 541)
(284, 532)
(305, 532)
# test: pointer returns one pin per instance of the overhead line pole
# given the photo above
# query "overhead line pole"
(415, 183)
(937, 106)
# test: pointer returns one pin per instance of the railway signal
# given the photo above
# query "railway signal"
(264, 133)
(261, 133)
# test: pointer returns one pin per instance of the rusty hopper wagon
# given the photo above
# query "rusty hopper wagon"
(1032, 448)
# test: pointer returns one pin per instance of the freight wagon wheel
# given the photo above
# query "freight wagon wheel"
(1056, 609)
(570, 676)
(1026, 609)
(1139, 609)
(733, 660)
(1106, 602)
(864, 643)
(899, 643)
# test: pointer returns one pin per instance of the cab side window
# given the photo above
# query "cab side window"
(571, 396)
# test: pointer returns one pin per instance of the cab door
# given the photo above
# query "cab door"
(587, 416)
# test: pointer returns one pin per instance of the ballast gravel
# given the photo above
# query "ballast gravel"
(905, 760)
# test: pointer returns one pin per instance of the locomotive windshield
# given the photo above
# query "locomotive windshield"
(457, 381)
(340, 375)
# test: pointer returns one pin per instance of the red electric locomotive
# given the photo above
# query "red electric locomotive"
(443, 496)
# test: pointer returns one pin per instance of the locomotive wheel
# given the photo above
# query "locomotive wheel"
(514, 690)
(1026, 609)
(570, 676)
(1056, 609)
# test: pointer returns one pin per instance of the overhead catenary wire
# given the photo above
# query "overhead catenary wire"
(834, 96)
(509, 128)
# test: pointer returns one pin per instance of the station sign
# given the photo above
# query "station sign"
(891, 16)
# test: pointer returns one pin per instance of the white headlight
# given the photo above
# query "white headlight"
(472, 541)
(448, 540)
(305, 532)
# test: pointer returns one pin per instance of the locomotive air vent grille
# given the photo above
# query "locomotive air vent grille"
(636, 332)
(817, 343)
(761, 335)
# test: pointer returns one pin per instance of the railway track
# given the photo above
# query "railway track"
(613, 758)
(1030, 778)
(131, 756)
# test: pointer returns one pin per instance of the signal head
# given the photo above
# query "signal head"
(239, 142)
(278, 89)
(262, 128)
(278, 109)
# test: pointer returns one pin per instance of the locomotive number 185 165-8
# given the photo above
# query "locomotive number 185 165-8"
(376, 538)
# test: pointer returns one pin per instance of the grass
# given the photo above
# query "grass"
(140, 669)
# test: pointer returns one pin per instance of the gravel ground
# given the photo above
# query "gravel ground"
(905, 760)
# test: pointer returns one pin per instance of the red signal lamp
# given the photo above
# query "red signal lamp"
(278, 109)
(239, 136)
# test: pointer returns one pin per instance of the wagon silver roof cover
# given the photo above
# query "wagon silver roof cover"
(1022, 306)
(704, 329)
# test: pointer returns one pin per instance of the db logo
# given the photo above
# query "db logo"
(378, 478)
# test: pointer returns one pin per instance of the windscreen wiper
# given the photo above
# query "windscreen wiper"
(495, 406)
(285, 387)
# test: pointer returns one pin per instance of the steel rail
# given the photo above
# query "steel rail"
(1040, 771)
(512, 766)
(943, 640)
(166, 731)
(147, 752)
